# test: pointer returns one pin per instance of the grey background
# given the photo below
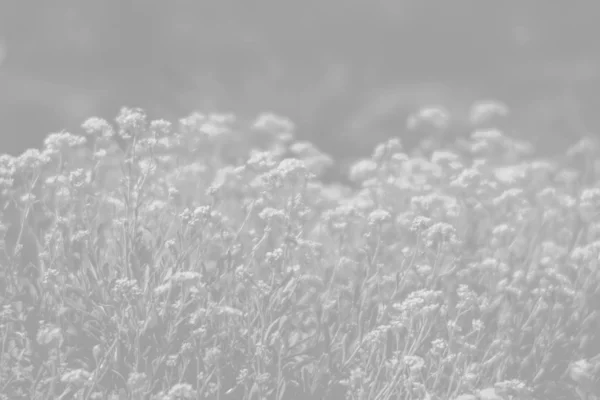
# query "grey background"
(339, 68)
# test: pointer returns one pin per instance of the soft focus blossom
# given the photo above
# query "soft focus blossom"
(219, 258)
(437, 117)
(97, 126)
(275, 125)
(484, 111)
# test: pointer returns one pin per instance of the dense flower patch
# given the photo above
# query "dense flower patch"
(208, 260)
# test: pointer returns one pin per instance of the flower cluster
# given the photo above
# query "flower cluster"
(210, 259)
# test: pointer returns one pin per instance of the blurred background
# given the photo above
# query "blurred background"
(347, 72)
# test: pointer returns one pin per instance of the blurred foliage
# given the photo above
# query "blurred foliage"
(342, 69)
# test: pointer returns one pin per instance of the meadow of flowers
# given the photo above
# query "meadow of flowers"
(211, 260)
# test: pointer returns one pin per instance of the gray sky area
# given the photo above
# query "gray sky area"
(322, 63)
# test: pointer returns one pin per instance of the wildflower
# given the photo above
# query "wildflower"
(182, 391)
(263, 352)
(156, 206)
(185, 276)
(541, 170)
(584, 146)
(454, 327)
(484, 111)
(98, 126)
(318, 164)
(551, 252)
(78, 178)
(160, 128)
(272, 214)
(357, 375)
(147, 166)
(76, 377)
(420, 223)
(440, 231)
(420, 302)
(413, 302)
(566, 201)
(503, 232)
(304, 149)
(438, 346)
(423, 167)
(7, 170)
(488, 142)
(362, 170)
(212, 356)
(190, 123)
(379, 216)
(127, 288)
(31, 160)
(272, 257)
(488, 136)
(292, 169)
(261, 161)
(583, 254)
(137, 381)
(510, 175)
(202, 212)
(400, 158)
(424, 270)
(229, 311)
(49, 334)
(100, 154)
(222, 118)
(131, 122)
(214, 127)
(229, 177)
(547, 197)
(415, 364)
(384, 150)
(519, 148)
(468, 179)
(589, 203)
(446, 159)
(263, 378)
(513, 388)
(489, 394)
(27, 198)
(466, 296)
(58, 142)
(437, 117)
(277, 126)
(509, 196)
(376, 336)
(580, 370)
(422, 204)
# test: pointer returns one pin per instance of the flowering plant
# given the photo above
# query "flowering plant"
(212, 260)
